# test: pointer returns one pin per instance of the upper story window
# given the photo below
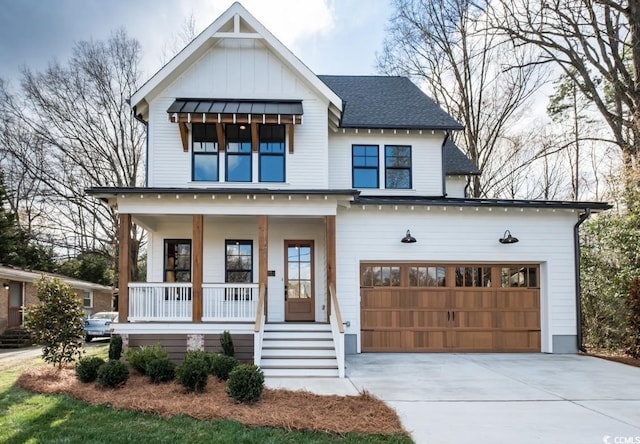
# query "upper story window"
(272, 153)
(397, 166)
(365, 166)
(238, 165)
(205, 152)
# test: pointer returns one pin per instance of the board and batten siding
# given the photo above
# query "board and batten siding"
(239, 69)
(462, 236)
(426, 159)
(219, 229)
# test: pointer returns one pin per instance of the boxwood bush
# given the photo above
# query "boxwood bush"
(221, 365)
(113, 374)
(140, 358)
(194, 371)
(245, 383)
(161, 370)
(87, 368)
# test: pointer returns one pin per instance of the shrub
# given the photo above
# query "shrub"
(115, 347)
(140, 358)
(245, 383)
(57, 324)
(87, 368)
(221, 365)
(226, 342)
(193, 372)
(113, 374)
(161, 370)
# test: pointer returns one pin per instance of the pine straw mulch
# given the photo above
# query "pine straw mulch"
(291, 410)
(615, 356)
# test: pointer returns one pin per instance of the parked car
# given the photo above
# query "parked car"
(99, 325)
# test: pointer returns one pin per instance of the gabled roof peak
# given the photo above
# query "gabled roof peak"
(235, 23)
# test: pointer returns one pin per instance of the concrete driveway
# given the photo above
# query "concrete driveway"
(505, 398)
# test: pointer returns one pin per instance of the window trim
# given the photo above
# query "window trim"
(353, 167)
(409, 168)
(228, 242)
(283, 155)
(165, 257)
(90, 292)
(204, 154)
(232, 154)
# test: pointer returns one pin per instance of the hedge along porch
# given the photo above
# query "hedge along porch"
(202, 268)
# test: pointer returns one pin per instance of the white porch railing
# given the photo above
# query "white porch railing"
(160, 301)
(258, 334)
(229, 302)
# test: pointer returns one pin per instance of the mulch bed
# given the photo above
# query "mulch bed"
(291, 410)
(614, 356)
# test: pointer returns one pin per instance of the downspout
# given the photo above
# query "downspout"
(467, 186)
(444, 174)
(576, 248)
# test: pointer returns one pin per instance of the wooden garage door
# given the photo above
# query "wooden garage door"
(458, 308)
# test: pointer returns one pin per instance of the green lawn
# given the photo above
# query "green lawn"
(29, 418)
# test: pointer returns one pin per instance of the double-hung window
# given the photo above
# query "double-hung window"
(205, 152)
(238, 153)
(397, 166)
(239, 269)
(177, 260)
(272, 153)
(365, 166)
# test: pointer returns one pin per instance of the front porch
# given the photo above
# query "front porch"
(292, 256)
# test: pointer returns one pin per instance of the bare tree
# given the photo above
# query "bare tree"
(596, 44)
(179, 39)
(77, 131)
(465, 66)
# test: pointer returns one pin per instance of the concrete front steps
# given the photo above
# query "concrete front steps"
(298, 350)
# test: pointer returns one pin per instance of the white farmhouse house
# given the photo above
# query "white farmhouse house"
(317, 216)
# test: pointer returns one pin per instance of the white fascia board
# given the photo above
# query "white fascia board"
(202, 42)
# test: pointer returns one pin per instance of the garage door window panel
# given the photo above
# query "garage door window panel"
(519, 276)
(473, 276)
(427, 276)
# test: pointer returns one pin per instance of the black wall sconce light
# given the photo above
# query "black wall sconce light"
(507, 238)
(408, 239)
(5, 286)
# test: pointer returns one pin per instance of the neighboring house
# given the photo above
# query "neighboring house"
(17, 291)
(277, 195)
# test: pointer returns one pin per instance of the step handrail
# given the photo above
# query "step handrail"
(258, 330)
(337, 330)
(335, 307)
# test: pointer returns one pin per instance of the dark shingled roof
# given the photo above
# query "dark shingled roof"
(387, 102)
(456, 162)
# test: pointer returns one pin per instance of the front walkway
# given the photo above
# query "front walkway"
(505, 398)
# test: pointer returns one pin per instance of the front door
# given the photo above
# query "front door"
(15, 304)
(298, 290)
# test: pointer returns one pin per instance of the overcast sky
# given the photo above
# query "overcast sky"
(330, 36)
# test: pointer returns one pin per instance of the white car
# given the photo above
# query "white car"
(99, 325)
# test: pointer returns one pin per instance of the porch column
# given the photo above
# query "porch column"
(198, 249)
(331, 257)
(124, 266)
(263, 254)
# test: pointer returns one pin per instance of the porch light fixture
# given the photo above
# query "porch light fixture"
(5, 286)
(408, 239)
(507, 238)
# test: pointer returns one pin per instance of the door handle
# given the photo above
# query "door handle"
(285, 292)
(453, 315)
(448, 316)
